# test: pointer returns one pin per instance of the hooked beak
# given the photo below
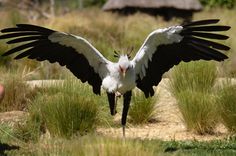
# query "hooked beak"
(123, 71)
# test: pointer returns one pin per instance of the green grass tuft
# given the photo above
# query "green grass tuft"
(192, 85)
(198, 110)
(17, 93)
(142, 110)
(198, 76)
(65, 115)
(69, 108)
(227, 106)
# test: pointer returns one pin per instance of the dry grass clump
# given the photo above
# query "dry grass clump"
(199, 76)
(227, 106)
(142, 110)
(192, 85)
(69, 109)
(198, 110)
(64, 109)
(17, 93)
(66, 115)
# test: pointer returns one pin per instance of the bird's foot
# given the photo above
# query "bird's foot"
(118, 94)
(123, 129)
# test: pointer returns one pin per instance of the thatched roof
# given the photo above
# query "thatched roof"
(193, 5)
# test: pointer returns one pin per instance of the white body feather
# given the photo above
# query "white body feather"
(115, 82)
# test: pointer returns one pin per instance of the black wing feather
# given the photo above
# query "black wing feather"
(207, 28)
(206, 35)
(7, 36)
(24, 39)
(202, 22)
(208, 43)
(194, 46)
(36, 45)
(24, 46)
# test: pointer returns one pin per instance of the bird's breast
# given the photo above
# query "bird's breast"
(126, 83)
(116, 82)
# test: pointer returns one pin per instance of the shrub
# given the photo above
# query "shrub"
(227, 106)
(142, 109)
(199, 76)
(65, 109)
(17, 93)
(69, 108)
(192, 85)
(217, 3)
(198, 110)
(32, 128)
(65, 115)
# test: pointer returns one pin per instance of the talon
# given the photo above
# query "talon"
(118, 94)
(123, 128)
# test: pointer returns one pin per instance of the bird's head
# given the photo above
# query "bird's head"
(124, 61)
(124, 64)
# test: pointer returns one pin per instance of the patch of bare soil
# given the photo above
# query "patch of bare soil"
(169, 125)
(13, 117)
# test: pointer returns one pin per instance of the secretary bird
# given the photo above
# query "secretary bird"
(161, 50)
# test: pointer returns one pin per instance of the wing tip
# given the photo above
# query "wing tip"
(227, 27)
(27, 27)
(201, 22)
(4, 30)
(223, 58)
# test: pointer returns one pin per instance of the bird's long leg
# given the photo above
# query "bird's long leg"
(116, 100)
(117, 96)
(127, 99)
(112, 102)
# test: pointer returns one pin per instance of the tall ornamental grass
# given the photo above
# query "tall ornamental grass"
(198, 110)
(227, 106)
(68, 115)
(199, 76)
(69, 108)
(142, 110)
(192, 85)
(17, 93)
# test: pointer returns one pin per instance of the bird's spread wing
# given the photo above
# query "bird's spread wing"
(74, 52)
(167, 47)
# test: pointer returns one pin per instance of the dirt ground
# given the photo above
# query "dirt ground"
(169, 125)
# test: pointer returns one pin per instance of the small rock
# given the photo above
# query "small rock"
(2, 92)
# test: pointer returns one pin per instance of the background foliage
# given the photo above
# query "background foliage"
(218, 3)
